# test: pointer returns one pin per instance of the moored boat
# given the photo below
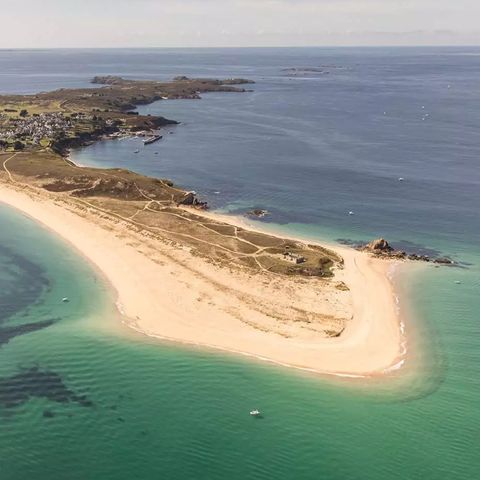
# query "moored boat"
(152, 139)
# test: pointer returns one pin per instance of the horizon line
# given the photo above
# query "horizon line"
(238, 47)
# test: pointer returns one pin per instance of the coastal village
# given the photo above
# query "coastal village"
(23, 130)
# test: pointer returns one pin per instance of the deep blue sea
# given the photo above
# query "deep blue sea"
(310, 145)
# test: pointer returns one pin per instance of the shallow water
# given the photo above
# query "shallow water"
(82, 397)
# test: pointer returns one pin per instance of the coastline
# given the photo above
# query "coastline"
(195, 310)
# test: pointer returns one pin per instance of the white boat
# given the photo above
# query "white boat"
(401, 179)
(152, 139)
(65, 299)
(255, 413)
(351, 213)
(136, 151)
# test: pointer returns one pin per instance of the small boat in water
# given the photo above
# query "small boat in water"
(255, 413)
(136, 151)
(152, 139)
(65, 299)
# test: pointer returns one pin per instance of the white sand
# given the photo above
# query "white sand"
(166, 292)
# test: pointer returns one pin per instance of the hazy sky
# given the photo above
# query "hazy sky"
(203, 23)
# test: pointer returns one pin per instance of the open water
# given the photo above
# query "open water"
(81, 397)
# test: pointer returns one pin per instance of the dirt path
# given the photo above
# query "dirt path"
(6, 169)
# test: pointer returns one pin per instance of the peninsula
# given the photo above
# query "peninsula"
(182, 273)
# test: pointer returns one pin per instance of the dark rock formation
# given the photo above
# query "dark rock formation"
(381, 248)
(191, 200)
(378, 245)
(257, 212)
(415, 257)
(443, 261)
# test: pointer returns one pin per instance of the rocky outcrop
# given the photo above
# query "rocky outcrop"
(191, 200)
(381, 248)
(380, 245)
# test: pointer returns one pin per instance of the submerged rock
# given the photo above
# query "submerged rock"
(414, 256)
(257, 212)
(444, 261)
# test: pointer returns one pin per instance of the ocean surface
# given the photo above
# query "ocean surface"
(83, 397)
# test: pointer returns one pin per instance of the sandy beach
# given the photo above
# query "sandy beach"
(164, 291)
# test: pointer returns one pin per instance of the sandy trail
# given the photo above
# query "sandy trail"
(6, 169)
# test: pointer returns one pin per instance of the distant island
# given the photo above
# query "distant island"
(181, 272)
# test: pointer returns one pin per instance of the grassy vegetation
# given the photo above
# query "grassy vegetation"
(152, 205)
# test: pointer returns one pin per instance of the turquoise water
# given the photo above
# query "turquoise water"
(83, 397)
(130, 408)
